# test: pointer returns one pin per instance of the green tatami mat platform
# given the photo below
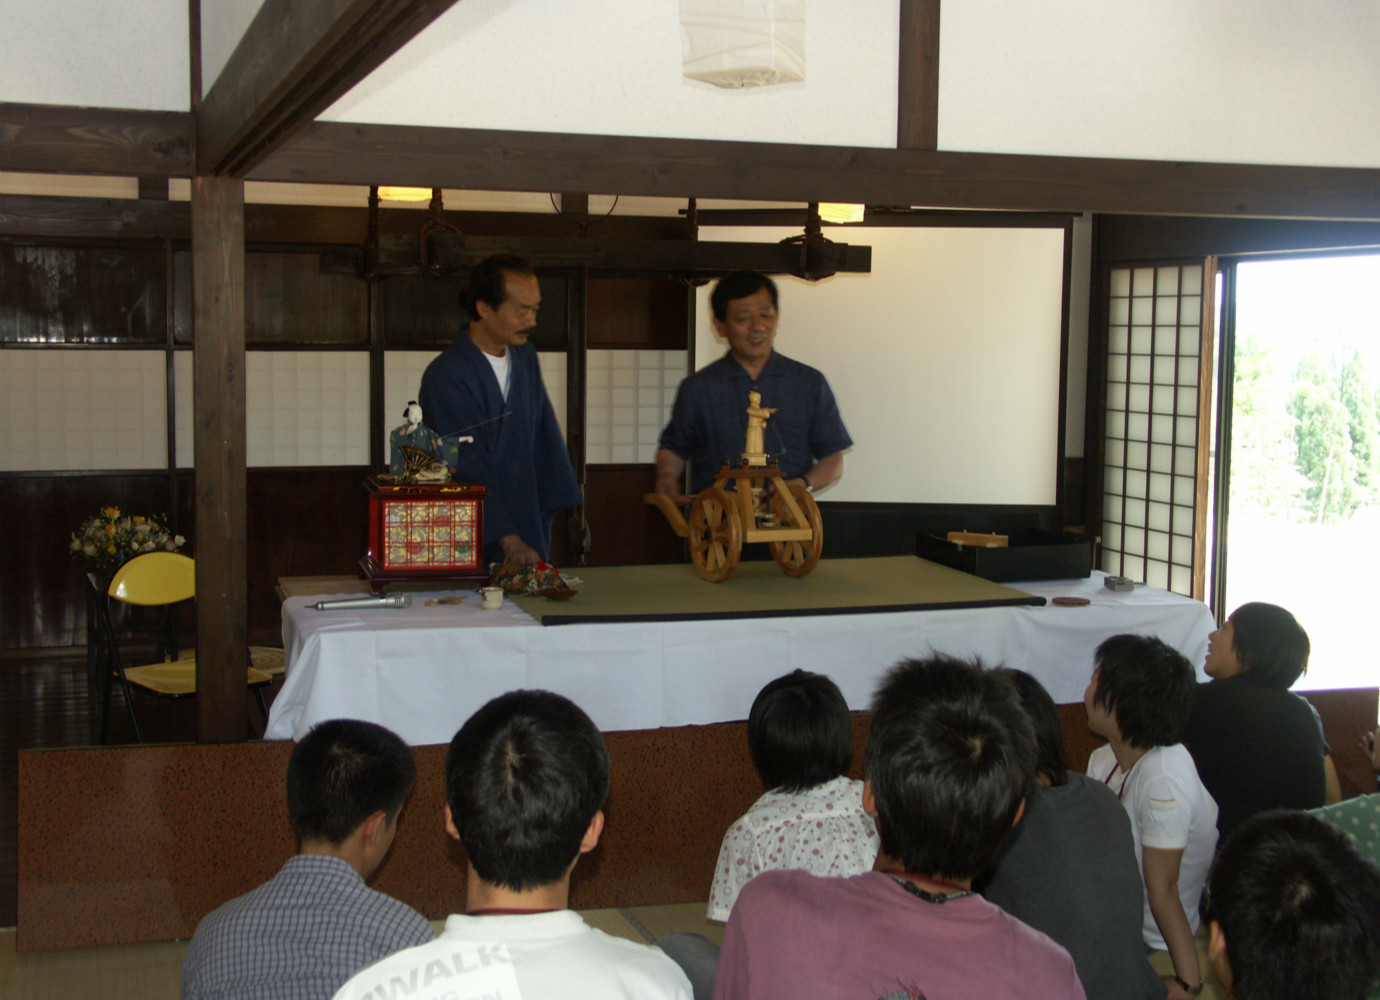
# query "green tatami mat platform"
(758, 590)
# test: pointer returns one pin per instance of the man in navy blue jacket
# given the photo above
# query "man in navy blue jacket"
(488, 384)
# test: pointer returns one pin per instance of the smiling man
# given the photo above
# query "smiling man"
(488, 384)
(710, 419)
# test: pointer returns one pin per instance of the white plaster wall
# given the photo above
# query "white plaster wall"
(944, 360)
(223, 23)
(1252, 81)
(95, 53)
(614, 67)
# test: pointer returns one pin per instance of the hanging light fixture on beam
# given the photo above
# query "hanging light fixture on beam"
(404, 194)
(838, 212)
(439, 248)
(743, 43)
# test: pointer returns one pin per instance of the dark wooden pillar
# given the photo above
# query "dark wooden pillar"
(917, 116)
(218, 411)
(575, 206)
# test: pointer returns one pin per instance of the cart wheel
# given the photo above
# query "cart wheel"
(798, 558)
(716, 535)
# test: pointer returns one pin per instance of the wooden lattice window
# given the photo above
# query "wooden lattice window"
(1157, 425)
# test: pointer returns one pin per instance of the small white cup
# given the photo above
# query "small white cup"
(491, 597)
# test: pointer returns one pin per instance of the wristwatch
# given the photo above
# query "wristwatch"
(1192, 991)
(809, 486)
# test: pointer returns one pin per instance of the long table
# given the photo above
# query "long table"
(422, 671)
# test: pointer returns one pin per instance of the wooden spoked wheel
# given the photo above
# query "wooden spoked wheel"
(716, 535)
(796, 558)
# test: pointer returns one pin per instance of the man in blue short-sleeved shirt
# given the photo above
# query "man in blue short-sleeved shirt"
(709, 421)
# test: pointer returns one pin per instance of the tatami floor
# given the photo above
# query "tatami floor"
(151, 971)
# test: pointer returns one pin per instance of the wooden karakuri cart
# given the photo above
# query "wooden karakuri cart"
(757, 507)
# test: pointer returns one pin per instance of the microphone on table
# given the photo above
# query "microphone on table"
(371, 601)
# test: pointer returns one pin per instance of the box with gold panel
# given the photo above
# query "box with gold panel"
(425, 531)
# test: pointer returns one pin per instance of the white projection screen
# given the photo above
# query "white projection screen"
(944, 360)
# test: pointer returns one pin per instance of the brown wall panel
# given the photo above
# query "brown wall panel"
(289, 301)
(131, 833)
(1079, 741)
(1345, 716)
(422, 312)
(43, 594)
(623, 530)
(638, 313)
(67, 295)
(302, 522)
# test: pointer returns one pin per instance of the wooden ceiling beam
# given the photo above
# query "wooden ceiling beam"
(47, 217)
(40, 217)
(340, 153)
(449, 253)
(47, 138)
(296, 59)
(103, 141)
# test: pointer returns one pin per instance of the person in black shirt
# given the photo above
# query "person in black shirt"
(1256, 744)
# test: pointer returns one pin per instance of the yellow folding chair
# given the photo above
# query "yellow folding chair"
(163, 580)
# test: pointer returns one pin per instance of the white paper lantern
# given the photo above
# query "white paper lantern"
(743, 43)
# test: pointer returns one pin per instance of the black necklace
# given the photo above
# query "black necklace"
(929, 897)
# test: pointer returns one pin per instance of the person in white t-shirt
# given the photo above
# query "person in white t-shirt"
(526, 780)
(800, 736)
(1139, 700)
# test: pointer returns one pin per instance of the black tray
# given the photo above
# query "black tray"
(1032, 554)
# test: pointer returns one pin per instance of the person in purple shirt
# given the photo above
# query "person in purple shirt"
(950, 759)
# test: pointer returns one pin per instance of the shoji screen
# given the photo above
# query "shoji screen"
(1157, 425)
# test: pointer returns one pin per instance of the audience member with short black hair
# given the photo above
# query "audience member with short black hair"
(950, 759)
(1068, 868)
(1359, 819)
(526, 780)
(800, 736)
(1294, 912)
(310, 927)
(1256, 744)
(1139, 700)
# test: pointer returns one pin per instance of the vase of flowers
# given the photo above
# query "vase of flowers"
(110, 538)
(101, 544)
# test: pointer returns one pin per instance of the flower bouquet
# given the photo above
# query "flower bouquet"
(105, 541)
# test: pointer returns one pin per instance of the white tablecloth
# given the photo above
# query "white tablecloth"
(422, 671)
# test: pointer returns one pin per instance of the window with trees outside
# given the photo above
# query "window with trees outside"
(1301, 430)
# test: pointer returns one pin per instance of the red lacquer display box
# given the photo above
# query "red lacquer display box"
(425, 532)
